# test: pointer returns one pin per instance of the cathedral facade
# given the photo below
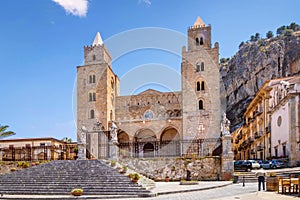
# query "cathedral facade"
(152, 118)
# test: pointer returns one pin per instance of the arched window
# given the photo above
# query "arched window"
(197, 41)
(92, 114)
(111, 115)
(197, 67)
(198, 86)
(201, 105)
(202, 85)
(201, 41)
(92, 96)
(92, 78)
(202, 66)
(112, 83)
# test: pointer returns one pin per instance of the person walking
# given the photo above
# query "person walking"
(261, 174)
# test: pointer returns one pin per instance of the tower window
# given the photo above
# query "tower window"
(202, 85)
(197, 67)
(94, 57)
(92, 78)
(112, 82)
(197, 41)
(198, 86)
(92, 96)
(92, 114)
(201, 41)
(200, 105)
(202, 66)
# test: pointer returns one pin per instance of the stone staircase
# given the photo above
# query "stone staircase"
(250, 177)
(60, 177)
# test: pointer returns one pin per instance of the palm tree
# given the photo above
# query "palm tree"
(4, 133)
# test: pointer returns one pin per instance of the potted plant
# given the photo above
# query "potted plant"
(124, 170)
(77, 192)
(113, 163)
(135, 177)
(167, 179)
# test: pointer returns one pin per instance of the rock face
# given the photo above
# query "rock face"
(255, 63)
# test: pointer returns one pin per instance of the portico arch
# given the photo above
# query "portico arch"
(170, 142)
(146, 142)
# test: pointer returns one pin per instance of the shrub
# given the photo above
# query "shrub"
(13, 169)
(113, 163)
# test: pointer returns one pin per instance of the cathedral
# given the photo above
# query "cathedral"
(147, 122)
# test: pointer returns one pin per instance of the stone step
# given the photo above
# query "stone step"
(60, 177)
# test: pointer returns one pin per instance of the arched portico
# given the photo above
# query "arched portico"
(169, 142)
(145, 143)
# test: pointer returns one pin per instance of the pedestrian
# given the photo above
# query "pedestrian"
(261, 178)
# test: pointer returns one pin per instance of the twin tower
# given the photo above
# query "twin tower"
(152, 116)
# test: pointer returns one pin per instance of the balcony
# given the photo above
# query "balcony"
(257, 113)
(250, 139)
(260, 147)
(268, 128)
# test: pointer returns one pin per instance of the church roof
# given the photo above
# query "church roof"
(150, 91)
(98, 40)
(199, 22)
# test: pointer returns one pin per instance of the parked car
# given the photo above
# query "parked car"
(243, 165)
(254, 164)
(273, 164)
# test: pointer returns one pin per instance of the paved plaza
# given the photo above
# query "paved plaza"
(172, 190)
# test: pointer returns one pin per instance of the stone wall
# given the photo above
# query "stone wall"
(207, 168)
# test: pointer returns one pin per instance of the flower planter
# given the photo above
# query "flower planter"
(77, 192)
(134, 180)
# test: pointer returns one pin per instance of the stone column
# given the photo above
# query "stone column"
(113, 151)
(227, 167)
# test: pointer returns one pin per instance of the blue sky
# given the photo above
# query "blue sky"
(42, 43)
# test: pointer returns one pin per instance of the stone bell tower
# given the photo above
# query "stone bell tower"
(97, 87)
(200, 84)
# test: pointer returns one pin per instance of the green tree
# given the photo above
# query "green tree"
(67, 140)
(222, 60)
(269, 34)
(280, 30)
(257, 36)
(241, 44)
(4, 133)
(252, 38)
(293, 26)
(288, 32)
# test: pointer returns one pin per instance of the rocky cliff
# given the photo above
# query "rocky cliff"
(255, 63)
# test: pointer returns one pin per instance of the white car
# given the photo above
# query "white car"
(255, 165)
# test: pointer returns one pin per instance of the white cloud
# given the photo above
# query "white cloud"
(75, 7)
(147, 2)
